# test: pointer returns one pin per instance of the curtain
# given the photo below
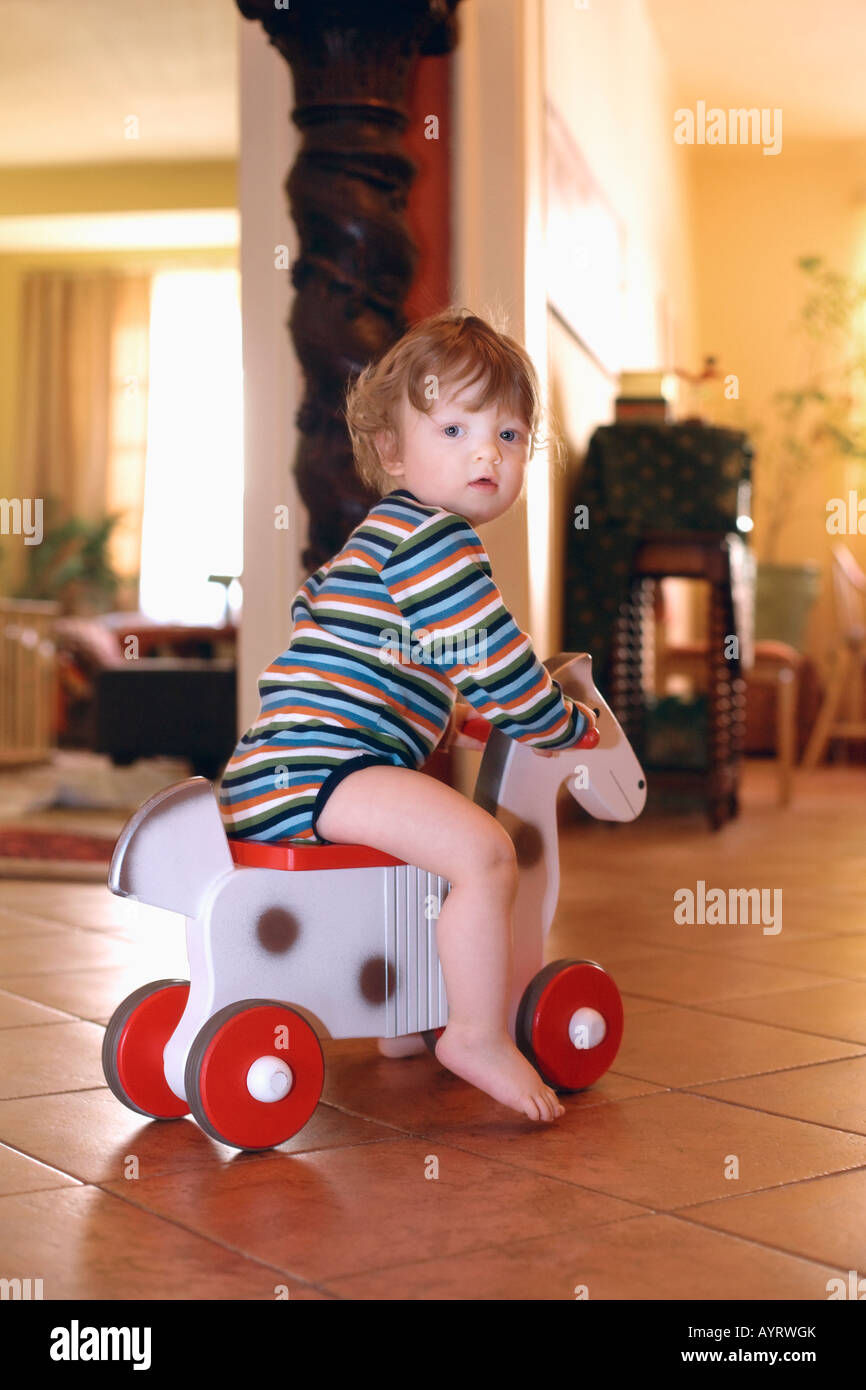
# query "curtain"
(83, 398)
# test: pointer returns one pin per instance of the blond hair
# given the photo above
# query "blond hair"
(450, 347)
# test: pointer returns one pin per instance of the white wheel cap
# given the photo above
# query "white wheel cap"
(269, 1079)
(586, 1028)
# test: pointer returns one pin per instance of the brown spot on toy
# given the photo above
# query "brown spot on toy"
(277, 930)
(376, 985)
(528, 844)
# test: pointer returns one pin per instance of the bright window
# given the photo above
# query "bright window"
(193, 501)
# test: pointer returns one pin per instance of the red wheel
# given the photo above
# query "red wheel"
(254, 1074)
(133, 1046)
(569, 1023)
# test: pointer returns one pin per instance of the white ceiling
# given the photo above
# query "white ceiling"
(73, 71)
(806, 56)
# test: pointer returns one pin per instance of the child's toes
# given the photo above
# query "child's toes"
(545, 1108)
(553, 1105)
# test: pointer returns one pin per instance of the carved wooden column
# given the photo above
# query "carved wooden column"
(351, 61)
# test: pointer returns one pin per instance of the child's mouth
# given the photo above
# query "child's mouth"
(484, 484)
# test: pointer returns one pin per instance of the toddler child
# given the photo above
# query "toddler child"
(385, 636)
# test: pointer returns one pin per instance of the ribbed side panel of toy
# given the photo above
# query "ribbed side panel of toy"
(417, 1000)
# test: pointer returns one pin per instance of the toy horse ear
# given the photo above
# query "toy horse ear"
(573, 672)
(553, 663)
(556, 663)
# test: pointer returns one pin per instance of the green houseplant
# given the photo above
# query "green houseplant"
(71, 564)
(809, 425)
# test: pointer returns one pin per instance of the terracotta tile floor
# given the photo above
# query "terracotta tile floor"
(723, 1157)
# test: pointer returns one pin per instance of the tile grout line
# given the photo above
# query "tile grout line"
(596, 1227)
(495, 1245)
(199, 1235)
(745, 1076)
(780, 1027)
(774, 1114)
(775, 1187)
(208, 1163)
(751, 1241)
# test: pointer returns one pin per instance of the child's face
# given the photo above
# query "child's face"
(446, 455)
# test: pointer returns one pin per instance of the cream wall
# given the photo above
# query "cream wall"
(604, 71)
(138, 186)
(498, 253)
(754, 215)
(52, 191)
(496, 243)
(606, 75)
(717, 231)
(273, 382)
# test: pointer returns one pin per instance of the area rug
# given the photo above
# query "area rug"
(61, 819)
(32, 852)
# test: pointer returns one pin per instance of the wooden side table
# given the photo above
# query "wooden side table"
(724, 562)
(776, 666)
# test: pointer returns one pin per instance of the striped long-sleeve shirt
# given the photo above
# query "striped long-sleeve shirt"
(387, 631)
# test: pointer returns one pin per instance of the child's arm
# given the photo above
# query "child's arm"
(455, 735)
(439, 577)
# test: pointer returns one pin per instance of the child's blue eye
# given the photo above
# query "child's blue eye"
(514, 433)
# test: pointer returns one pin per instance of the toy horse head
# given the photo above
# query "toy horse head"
(602, 773)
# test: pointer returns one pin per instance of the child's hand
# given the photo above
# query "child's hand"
(591, 721)
(461, 712)
(453, 737)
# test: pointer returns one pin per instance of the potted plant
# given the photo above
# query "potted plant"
(70, 564)
(810, 423)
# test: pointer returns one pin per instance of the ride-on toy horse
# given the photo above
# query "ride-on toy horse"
(291, 942)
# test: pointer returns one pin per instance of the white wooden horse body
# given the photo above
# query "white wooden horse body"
(353, 950)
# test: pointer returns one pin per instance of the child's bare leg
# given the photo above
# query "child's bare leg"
(420, 820)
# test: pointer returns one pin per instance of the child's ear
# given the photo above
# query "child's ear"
(386, 445)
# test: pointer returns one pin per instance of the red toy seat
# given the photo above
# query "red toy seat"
(292, 854)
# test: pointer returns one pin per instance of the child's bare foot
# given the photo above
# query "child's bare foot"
(405, 1046)
(493, 1064)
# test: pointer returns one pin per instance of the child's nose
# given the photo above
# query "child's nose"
(488, 453)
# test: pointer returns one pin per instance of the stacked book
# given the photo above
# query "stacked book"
(645, 396)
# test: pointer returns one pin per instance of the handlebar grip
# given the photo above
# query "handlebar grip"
(477, 727)
(590, 739)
